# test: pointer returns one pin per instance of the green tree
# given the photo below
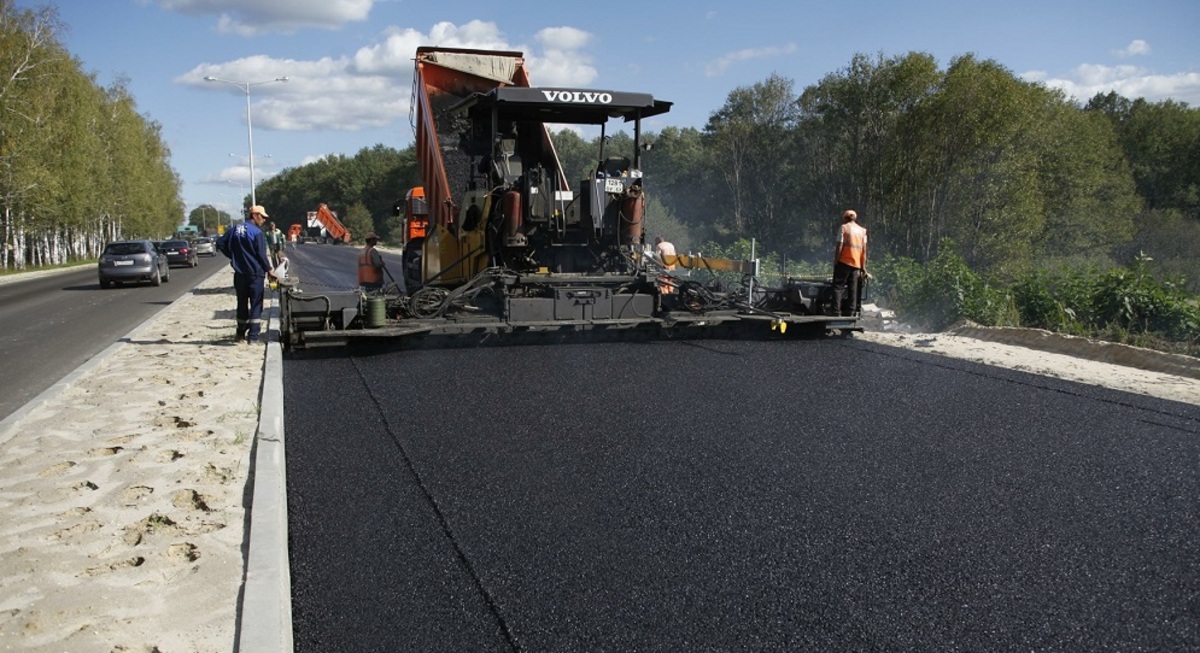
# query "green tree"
(30, 63)
(678, 177)
(977, 136)
(1162, 143)
(752, 136)
(358, 220)
(78, 165)
(1087, 190)
(852, 149)
(206, 217)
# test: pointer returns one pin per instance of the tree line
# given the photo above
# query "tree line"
(1014, 174)
(79, 166)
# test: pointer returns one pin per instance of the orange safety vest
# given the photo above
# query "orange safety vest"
(853, 251)
(368, 272)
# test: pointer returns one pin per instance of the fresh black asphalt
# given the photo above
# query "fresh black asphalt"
(724, 496)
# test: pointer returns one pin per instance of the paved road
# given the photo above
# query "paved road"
(726, 496)
(52, 324)
(324, 267)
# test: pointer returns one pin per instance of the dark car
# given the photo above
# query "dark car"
(132, 261)
(179, 252)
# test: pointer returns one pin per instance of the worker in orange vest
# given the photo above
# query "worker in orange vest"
(850, 264)
(370, 265)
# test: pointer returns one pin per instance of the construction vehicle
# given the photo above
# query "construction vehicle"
(499, 245)
(415, 211)
(324, 227)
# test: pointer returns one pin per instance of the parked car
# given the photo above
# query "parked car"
(204, 245)
(179, 252)
(132, 261)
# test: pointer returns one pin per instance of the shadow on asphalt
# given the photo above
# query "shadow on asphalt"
(228, 290)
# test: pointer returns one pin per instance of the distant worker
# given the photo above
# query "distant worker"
(662, 249)
(370, 265)
(850, 264)
(274, 242)
(246, 247)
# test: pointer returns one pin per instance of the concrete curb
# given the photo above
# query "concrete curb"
(265, 616)
(1104, 352)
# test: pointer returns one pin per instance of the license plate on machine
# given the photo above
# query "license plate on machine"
(614, 186)
(122, 262)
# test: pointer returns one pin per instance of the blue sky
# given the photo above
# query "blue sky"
(349, 62)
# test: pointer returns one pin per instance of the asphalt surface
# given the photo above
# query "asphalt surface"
(802, 495)
(52, 323)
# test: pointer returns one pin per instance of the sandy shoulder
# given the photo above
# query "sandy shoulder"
(122, 498)
(1047, 363)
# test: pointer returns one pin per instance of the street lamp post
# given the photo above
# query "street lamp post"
(245, 86)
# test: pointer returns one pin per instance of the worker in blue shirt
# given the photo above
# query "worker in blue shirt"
(246, 247)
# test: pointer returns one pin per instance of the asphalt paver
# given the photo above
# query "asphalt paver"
(821, 494)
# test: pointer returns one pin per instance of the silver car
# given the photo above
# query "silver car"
(132, 261)
(204, 246)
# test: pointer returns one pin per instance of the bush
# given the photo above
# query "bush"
(937, 294)
(1120, 304)
(1132, 300)
(1056, 302)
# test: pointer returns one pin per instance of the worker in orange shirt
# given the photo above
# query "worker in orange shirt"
(850, 264)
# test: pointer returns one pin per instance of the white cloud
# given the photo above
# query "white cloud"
(563, 38)
(250, 17)
(391, 57)
(372, 87)
(475, 34)
(1135, 48)
(561, 62)
(722, 64)
(1127, 81)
